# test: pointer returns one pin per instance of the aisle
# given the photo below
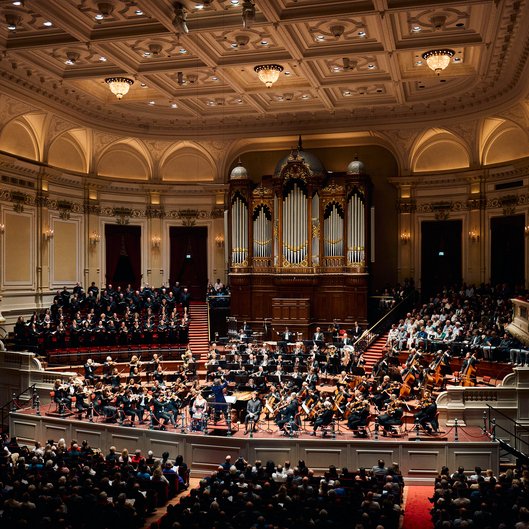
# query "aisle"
(417, 507)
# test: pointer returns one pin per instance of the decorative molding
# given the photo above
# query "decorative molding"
(406, 205)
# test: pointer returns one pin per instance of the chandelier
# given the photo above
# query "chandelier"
(438, 60)
(268, 73)
(119, 86)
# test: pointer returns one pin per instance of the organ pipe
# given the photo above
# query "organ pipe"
(239, 232)
(356, 235)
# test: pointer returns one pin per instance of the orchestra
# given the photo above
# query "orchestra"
(304, 387)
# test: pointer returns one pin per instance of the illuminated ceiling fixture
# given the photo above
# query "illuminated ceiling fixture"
(248, 14)
(105, 10)
(179, 21)
(12, 21)
(71, 58)
(438, 60)
(119, 86)
(268, 73)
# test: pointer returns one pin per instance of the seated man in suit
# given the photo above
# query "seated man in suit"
(253, 412)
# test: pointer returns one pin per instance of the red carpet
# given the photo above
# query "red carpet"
(417, 507)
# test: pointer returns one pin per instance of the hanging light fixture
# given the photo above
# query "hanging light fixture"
(438, 60)
(268, 73)
(180, 19)
(248, 14)
(119, 86)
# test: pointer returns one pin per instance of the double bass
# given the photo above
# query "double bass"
(468, 374)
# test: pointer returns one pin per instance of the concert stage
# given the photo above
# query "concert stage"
(420, 460)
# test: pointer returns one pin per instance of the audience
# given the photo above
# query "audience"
(74, 486)
(463, 319)
(242, 495)
(480, 499)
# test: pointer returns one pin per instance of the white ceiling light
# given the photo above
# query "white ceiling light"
(268, 73)
(438, 60)
(119, 86)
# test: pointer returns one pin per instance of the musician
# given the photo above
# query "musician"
(324, 418)
(108, 367)
(159, 376)
(134, 364)
(161, 413)
(345, 340)
(469, 369)
(115, 379)
(427, 414)
(340, 397)
(393, 415)
(318, 338)
(152, 364)
(90, 371)
(105, 405)
(260, 377)
(253, 412)
(381, 367)
(287, 415)
(383, 395)
(142, 404)
(312, 378)
(359, 413)
(199, 408)
(126, 407)
(60, 394)
(80, 394)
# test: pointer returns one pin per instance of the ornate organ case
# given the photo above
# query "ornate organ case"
(298, 244)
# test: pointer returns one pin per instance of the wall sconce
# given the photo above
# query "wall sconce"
(3, 229)
(219, 240)
(48, 234)
(473, 235)
(405, 237)
(94, 239)
(155, 241)
(526, 231)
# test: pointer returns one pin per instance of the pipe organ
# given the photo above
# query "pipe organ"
(299, 234)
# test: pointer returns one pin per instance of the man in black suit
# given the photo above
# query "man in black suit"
(185, 299)
(253, 411)
(356, 330)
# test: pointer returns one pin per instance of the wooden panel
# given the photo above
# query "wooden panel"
(55, 432)
(369, 458)
(94, 439)
(424, 462)
(320, 459)
(277, 455)
(124, 441)
(468, 459)
(26, 430)
(158, 447)
(291, 310)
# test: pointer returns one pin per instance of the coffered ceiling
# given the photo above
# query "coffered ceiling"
(347, 64)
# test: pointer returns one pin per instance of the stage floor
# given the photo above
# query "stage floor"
(420, 459)
(268, 429)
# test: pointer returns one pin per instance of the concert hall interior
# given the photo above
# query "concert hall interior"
(281, 229)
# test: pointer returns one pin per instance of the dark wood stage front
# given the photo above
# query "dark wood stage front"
(420, 457)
